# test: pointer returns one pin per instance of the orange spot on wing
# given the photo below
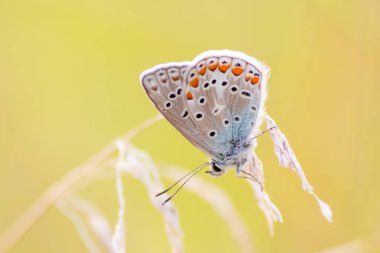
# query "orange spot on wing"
(223, 68)
(237, 71)
(255, 80)
(213, 66)
(202, 71)
(247, 78)
(189, 95)
(194, 83)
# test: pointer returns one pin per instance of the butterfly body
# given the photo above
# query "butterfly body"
(215, 101)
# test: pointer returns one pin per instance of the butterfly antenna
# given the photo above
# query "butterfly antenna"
(171, 196)
(194, 171)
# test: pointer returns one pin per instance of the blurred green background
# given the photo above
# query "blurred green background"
(69, 84)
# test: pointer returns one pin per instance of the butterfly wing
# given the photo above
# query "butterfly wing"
(165, 87)
(225, 92)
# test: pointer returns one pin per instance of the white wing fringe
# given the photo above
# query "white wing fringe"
(288, 159)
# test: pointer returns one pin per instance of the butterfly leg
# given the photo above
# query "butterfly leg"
(248, 176)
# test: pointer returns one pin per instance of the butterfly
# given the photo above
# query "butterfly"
(215, 101)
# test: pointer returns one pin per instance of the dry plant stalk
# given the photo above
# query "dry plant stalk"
(94, 228)
(138, 164)
(62, 187)
(288, 159)
(271, 212)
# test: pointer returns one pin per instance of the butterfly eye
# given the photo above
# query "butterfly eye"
(216, 168)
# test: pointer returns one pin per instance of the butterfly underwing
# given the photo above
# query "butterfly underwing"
(215, 101)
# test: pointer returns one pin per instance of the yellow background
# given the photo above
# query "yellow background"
(69, 84)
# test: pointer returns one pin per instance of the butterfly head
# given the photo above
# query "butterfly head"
(235, 157)
(217, 168)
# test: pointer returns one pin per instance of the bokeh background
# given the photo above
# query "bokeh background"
(69, 84)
